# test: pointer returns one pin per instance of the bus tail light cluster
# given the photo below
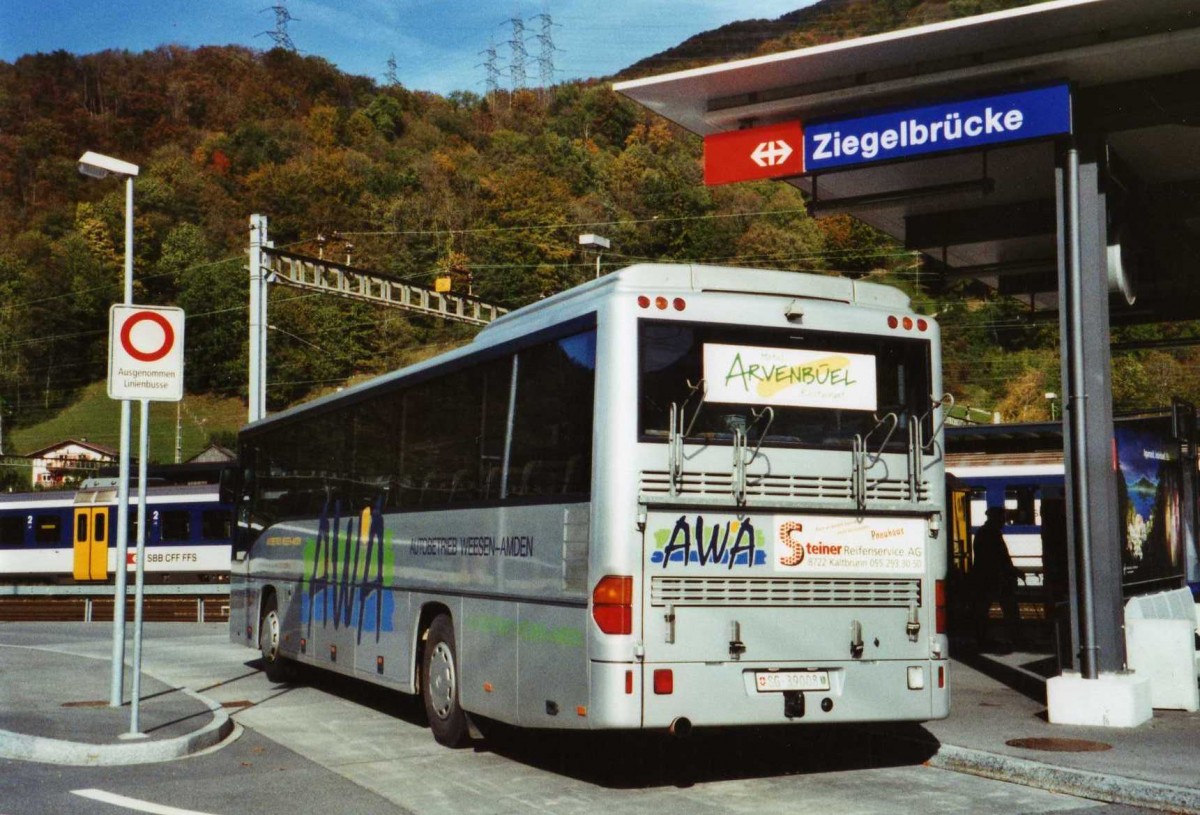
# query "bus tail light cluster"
(612, 604)
(661, 303)
(908, 323)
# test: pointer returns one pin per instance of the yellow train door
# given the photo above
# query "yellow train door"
(91, 543)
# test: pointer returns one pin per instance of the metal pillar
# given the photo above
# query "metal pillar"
(258, 317)
(117, 686)
(1097, 617)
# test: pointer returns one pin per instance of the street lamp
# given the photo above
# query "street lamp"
(95, 165)
(1052, 398)
(599, 243)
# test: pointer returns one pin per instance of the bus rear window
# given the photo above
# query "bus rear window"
(823, 389)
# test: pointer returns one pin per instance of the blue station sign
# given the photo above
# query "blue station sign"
(959, 125)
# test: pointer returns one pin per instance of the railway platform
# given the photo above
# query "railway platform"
(193, 675)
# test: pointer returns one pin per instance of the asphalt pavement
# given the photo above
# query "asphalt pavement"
(54, 695)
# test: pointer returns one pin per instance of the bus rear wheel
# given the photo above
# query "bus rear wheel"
(440, 683)
(275, 665)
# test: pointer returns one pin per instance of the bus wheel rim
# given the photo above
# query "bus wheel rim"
(441, 680)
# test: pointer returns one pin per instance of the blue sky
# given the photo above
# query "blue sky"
(438, 45)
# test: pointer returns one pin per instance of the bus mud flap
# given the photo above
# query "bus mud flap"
(793, 704)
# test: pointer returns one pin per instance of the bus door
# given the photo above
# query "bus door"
(91, 543)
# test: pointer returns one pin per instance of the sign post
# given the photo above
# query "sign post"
(145, 362)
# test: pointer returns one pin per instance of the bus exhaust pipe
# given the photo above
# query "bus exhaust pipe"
(681, 728)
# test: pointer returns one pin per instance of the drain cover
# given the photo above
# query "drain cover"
(1055, 745)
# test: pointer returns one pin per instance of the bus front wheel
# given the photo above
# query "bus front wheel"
(439, 670)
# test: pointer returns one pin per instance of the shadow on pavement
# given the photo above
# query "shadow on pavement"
(640, 760)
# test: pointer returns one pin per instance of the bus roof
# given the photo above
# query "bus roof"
(656, 278)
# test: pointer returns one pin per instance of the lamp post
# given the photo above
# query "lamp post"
(96, 165)
(597, 242)
(1052, 398)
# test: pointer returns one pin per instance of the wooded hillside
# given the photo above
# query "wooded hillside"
(492, 191)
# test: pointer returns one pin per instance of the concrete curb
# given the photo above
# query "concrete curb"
(57, 751)
(1080, 783)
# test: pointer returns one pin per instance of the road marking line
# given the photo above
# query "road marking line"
(133, 803)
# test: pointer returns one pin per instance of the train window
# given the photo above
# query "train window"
(47, 529)
(215, 524)
(81, 527)
(12, 530)
(99, 528)
(1021, 505)
(176, 525)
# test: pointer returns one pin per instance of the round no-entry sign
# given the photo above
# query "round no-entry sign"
(145, 353)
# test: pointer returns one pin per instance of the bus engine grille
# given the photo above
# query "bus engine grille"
(658, 482)
(783, 591)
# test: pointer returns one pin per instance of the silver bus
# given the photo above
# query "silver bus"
(677, 496)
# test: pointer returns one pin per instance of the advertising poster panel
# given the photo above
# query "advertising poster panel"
(1150, 502)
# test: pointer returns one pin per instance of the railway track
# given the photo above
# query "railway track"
(175, 608)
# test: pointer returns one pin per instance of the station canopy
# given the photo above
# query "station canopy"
(1132, 71)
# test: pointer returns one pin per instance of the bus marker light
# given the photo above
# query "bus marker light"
(303, 646)
(922, 324)
(333, 653)
(679, 303)
(581, 712)
(916, 677)
(941, 677)
(908, 323)
(660, 303)
(893, 322)
(664, 681)
(612, 604)
(379, 664)
(488, 687)
(643, 301)
(629, 682)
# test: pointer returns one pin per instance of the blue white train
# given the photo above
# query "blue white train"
(69, 536)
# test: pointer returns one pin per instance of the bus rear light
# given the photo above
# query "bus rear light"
(664, 681)
(612, 604)
(907, 323)
(643, 301)
(939, 593)
(941, 677)
(629, 683)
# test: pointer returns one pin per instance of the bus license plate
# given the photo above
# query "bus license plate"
(776, 681)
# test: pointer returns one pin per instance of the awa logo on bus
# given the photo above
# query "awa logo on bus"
(723, 543)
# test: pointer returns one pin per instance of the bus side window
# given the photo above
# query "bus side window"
(552, 428)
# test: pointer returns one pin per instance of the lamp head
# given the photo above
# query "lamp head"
(96, 165)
